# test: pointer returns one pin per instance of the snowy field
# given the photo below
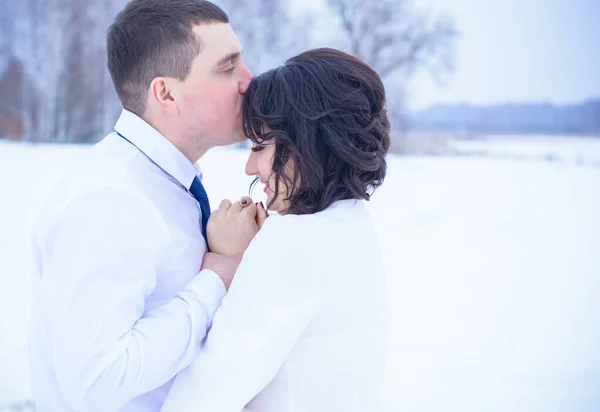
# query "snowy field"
(582, 151)
(493, 268)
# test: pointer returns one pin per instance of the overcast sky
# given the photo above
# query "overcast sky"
(519, 50)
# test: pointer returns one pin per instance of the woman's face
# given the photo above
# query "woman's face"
(260, 164)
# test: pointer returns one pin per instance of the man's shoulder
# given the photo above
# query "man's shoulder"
(98, 209)
(105, 165)
(101, 172)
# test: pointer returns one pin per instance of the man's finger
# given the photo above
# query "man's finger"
(225, 205)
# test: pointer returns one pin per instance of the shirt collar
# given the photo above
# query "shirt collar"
(157, 147)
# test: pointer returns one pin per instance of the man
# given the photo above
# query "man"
(122, 304)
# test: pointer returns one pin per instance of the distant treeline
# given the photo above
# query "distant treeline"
(512, 118)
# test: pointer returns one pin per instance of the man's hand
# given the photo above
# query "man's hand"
(224, 266)
(231, 228)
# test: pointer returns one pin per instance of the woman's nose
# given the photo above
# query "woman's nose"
(251, 169)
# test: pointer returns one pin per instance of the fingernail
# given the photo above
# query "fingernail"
(244, 201)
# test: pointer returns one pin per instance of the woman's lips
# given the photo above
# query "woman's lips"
(266, 183)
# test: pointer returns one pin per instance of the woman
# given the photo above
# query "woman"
(304, 325)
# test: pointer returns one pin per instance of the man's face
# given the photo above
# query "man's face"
(212, 94)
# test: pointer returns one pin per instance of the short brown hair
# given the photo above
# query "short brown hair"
(151, 38)
(325, 110)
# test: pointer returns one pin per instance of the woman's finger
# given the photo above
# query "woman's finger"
(245, 201)
(249, 210)
(261, 215)
(236, 207)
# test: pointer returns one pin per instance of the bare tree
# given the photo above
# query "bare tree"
(83, 93)
(109, 105)
(41, 46)
(395, 37)
(60, 45)
(7, 17)
(267, 31)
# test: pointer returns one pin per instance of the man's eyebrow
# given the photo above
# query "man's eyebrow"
(229, 57)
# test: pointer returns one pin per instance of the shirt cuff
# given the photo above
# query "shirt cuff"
(209, 289)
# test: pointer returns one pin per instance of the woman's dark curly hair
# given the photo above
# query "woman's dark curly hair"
(325, 112)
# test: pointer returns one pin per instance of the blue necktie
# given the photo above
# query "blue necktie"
(197, 190)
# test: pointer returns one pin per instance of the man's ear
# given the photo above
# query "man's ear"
(162, 91)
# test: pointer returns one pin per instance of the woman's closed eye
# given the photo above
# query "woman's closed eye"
(257, 148)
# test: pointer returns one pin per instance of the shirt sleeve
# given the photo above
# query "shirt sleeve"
(99, 265)
(273, 297)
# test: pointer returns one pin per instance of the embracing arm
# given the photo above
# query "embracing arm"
(271, 301)
(99, 259)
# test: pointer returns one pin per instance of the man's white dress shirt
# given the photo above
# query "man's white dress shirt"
(304, 326)
(120, 304)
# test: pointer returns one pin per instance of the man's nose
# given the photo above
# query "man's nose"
(246, 77)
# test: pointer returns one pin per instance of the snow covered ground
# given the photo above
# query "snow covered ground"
(493, 268)
(582, 151)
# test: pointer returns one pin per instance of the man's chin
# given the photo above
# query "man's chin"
(241, 139)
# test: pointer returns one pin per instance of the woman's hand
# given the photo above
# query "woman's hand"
(261, 215)
(232, 227)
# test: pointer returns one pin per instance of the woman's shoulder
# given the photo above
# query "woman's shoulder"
(340, 217)
(288, 226)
